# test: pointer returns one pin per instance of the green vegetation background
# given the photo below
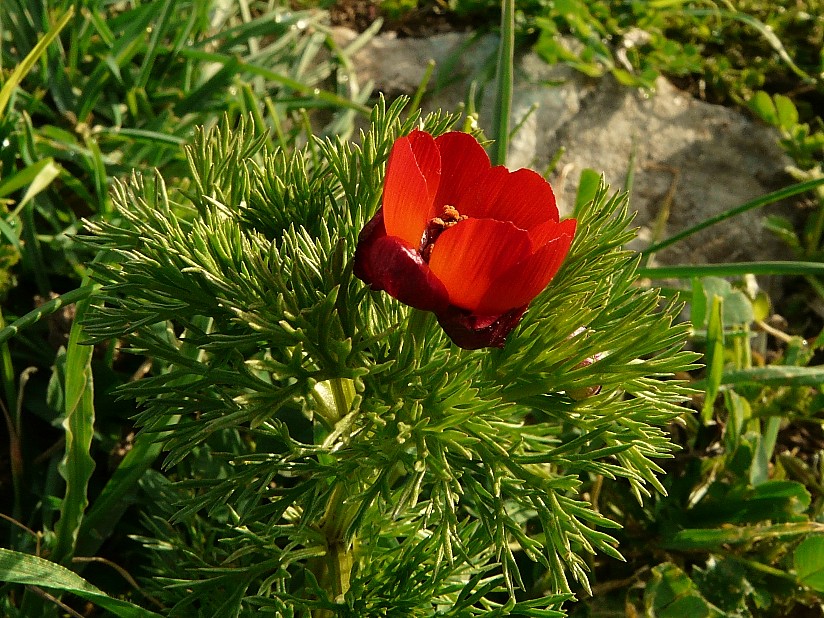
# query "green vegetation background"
(92, 91)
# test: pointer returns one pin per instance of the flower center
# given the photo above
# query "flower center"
(449, 217)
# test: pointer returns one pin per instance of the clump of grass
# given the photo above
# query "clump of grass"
(88, 96)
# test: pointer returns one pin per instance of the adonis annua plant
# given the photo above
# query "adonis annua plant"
(333, 451)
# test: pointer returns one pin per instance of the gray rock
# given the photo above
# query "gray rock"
(693, 160)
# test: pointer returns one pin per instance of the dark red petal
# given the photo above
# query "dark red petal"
(526, 279)
(463, 162)
(472, 332)
(522, 197)
(387, 263)
(471, 255)
(370, 233)
(407, 205)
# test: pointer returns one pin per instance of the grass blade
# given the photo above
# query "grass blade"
(733, 269)
(777, 375)
(24, 177)
(77, 465)
(105, 513)
(31, 58)
(714, 357)
(19, 568)
(503, 100)
(159, 30)
(317, 94)
(769, 198)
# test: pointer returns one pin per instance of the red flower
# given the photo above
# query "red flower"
(470, 242)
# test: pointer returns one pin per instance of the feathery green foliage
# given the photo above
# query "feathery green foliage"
(360, 463)
(111, 88)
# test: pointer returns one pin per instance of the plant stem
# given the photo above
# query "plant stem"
(342, 402)
(334, 569)
(503, 101)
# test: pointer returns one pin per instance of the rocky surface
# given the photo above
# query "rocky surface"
(692, 160)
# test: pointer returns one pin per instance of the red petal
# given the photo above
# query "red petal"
(429, 160)
(387, 263)
(472, 254)
(471, 333)
(407, 205)
(526, 279)
(463, 162)
(481, 197)
(549, 230)
(522, 197)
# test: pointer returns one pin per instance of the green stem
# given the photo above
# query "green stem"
(764, 568)
(503, 102)
(46, 309)
(7, 368)
(733, 269)
(418, 324)
(334, 569)
(342, 402)
(415, 105)
(11, 413)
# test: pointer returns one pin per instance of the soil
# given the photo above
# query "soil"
(424, 20)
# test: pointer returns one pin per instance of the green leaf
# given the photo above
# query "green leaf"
(760, 469)
(762, 104)
(769, 198)
(44, 177)
(104, 514)
(588, 187)
(77, 465)
(793, 495)
(738, 308)
(787, 113)
(739, 413)
(808, 560)
(733, 269)
(714, 356)
(698, 303)
(772, 501)
(777, 375)
(20, 568)
(25, 176)
(709, 539)
(672, 594)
